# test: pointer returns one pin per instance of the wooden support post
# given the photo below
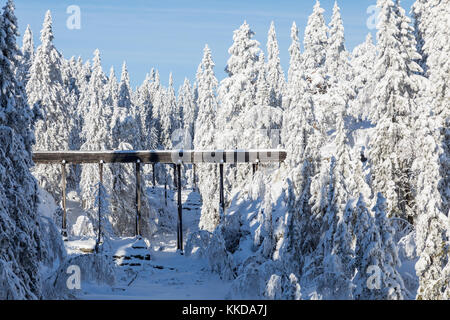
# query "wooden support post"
(180, 211)
(138, 198)
(64, 217)
(222, 194)
(153, 172)
(100, 196)
(175, 176)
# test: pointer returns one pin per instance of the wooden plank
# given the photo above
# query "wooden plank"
(160, 156)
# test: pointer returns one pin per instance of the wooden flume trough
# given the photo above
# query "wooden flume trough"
(175, 157)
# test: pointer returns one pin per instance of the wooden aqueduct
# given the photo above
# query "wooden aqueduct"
(176, 158)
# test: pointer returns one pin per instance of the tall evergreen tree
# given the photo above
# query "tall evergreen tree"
(237, 95)
(394, 108)
(45, 87)
(295, 62)
(433, 246)
(27, 55)
(96, 132)
(275, 74)
(144, 107)
(363, 63)
(20, 250)
(189, 108)
(316, 44)
(204, 139)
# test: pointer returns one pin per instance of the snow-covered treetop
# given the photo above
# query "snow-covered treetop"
(28, 42)
(206, 80)
(272, 45)
(244, 51)
(337, 56)
(275, 75)
(206, 101)
(124, 88)
(295, 53)
(315, 40)
(364, 49)
(395, 65)
(47, 30)
(111, 96)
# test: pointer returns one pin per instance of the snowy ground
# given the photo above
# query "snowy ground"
(167, 275)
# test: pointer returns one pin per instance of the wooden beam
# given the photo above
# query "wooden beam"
(63, 186)
(160, 156)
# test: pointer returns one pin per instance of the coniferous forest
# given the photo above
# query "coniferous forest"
(359, 209)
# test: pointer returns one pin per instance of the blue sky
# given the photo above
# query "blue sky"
(170, 35)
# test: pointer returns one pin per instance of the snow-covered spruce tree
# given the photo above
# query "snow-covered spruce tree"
(295, 62)
(19, 227)
(45, 87)
(433, 247)
(96, 133)
(421, 13)
(27, 57)
(367, 251)
(328, 267)
(436, 48)
(83, 76)
(393, 109)
(337, 58)
(302, 140)
(170, 115)
(375, 261)
(358, 183)
(324, 234)
(170, 120)
(125, 136)
(275, 74)
(144, 105)
(237, 94)
(189, 109)
(262, 120)
(204, 139)
(158, 94)
(363, 63)
(262, 84)
(396, 57)
(316, 43)
(124, 99)
(111, 90)
(339, 72)
(392, 286)
(143, 101)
